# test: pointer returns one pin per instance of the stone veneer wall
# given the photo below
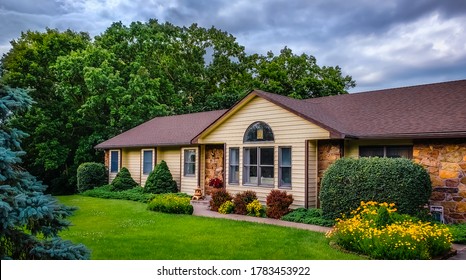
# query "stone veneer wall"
(328, 151)
(445, 161)
(213, 166)
(107, 158)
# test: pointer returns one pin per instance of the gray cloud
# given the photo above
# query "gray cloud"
(380, 43)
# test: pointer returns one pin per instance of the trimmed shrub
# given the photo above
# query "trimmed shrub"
(459, 233)
(172, 203)
(242, 199)
(91, 175)
(312, 216)
(226, 207)
(134, 194)
(278, 203)
(123, 181)
(219, 196)
(349, 181)
(160, 180)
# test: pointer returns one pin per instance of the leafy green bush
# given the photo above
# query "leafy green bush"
(134, 194)
(349, 181)
(219, 196)
(459, 233)
(278, 203)
(91, 175)
(400, 238)
(227, 207)
(242, 199)
(172, 203)
(312, 216)
(123, 181)
(160, 180)
(255, 208)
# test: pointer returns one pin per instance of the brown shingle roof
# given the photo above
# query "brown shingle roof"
(433, 110)
(163, 131)
(427, 111)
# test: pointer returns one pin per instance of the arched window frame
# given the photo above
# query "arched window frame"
(261, 132)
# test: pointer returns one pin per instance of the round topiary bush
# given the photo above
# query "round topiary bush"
(160, 180)
(349, 181)
(123, 181)
(91, 175)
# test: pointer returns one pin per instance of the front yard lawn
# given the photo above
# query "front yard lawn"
(126, 230)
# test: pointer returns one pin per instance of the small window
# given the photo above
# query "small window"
(234, 166)
(189, 162)
(386, 151)
(114, 161)
(258, 132)
(259, 166)
(284, 165)
(147, 161)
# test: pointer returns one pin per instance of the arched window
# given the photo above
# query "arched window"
(258, 132)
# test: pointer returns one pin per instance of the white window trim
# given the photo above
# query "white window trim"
(142, 161)
(195, 162)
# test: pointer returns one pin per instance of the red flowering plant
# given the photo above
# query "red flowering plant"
(216, 183)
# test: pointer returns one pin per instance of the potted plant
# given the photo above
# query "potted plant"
(216, 183)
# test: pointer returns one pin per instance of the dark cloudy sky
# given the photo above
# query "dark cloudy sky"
(380, 43)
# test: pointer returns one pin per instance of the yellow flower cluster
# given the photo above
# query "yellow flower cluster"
(396, 237)
(254, 208)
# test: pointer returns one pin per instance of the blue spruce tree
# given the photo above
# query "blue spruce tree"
(29, 220)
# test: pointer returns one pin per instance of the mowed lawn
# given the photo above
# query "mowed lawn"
(126, 230)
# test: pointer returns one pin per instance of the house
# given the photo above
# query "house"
(268, 141)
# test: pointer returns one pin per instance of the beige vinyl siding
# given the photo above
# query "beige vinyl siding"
(312, 174)
(172, 157)
(131, 159)
(141, 169)
(352, 146)
(189, 183)
(289, 130)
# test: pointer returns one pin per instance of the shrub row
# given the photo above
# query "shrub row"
(172, 203)
(377, 230)
(311, 216)
(394, 180)
(246, 203)
(107, 191)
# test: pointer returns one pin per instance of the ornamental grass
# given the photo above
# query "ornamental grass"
(377, 230)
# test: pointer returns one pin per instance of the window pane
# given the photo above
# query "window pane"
(234, 174)
(189, 162)
(266, 156)
(257, 132)
(267, 175)
(147, 162)
(114, 161)
(250, 174)
(285, 176)
(234, 156)
(285, 157)
(371, 151)
(250, 156)
(400, 151)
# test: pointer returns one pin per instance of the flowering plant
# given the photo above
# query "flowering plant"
(216, 183)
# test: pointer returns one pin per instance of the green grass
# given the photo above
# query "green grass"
(126, 230)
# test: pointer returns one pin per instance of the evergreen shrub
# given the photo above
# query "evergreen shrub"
(172, 203)
(349, 181)
(312, 216)
(160, 180)
(278, 203)
(135, 194)
(123, 181)
(242, 199)
(91, 175)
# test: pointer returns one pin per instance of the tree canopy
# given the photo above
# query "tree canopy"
(87, 91)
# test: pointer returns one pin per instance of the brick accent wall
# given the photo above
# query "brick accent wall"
(445, 161)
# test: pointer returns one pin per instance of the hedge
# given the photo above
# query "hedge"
(349, 181)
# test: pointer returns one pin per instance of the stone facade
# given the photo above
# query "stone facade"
(107, 159)
(328, 151)
(213, 165)
(445, 161)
